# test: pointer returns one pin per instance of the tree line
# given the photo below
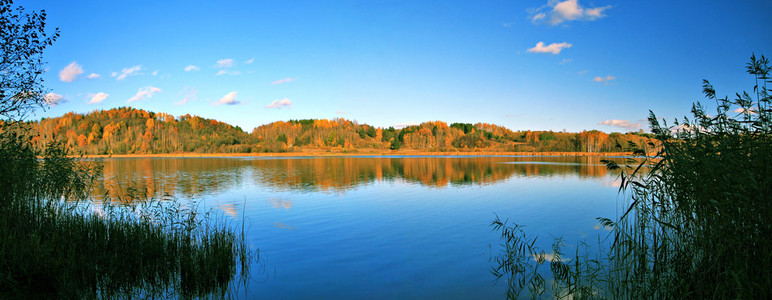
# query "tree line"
(127, 130)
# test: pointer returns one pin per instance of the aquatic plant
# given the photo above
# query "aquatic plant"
(54, 244)
(698, 221)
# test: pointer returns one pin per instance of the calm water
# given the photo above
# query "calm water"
(383, 227)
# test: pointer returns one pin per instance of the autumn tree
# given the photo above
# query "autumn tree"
(127, 130)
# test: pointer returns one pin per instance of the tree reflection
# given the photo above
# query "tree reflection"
(196, 177)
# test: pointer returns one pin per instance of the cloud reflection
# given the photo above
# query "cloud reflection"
(283, 226)
(278, 203)
(229, 209)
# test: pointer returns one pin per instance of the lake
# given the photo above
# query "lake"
(380, 227)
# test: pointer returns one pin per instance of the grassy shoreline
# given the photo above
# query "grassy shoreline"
(368, 153)
(53, 246)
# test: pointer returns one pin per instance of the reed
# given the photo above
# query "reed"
(697, 224)
(54, 244)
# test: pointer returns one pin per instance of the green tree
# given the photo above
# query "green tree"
(465, 127)
(22, 40)
(282, 138)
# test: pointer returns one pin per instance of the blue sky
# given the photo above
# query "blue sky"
(527, 65)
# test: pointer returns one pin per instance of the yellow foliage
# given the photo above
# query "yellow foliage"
(110, 130)
(448, 141)
(325, 124)
(65, 122)
(82, 141)
(438, 124)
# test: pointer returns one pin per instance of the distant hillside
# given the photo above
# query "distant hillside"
(433, 136)
(127, 130)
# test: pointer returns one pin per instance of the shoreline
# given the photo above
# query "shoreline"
(373, 154)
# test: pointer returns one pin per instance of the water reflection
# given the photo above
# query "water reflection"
(196, 177)
(343, 227)
(186, 177)
(283, 226)
(229, 209)
(278, 203)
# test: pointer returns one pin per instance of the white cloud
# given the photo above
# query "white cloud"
(566, 10)
(621, 123)
(155, 73)
(113, 74)
(224, 72)
(249, 61)
(280, 81)
(144, 93)
(553, 48)
(70, 72)
(96, 98)
(605, 80)
(228, 99)
(549, 257)
(403, 125)
(191, 68)
(128, 71)
(225, 63)
(280, 103)
(53, 99)
(687, 128)
(556, 12)
(565, 61)
(743, 110)
(189, 94)
(340, 112)
(93, 76)
(595, 13)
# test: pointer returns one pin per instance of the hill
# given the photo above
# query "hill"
(127, 130)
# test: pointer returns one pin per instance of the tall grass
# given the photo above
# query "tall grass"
(698, 221)
(52, 245)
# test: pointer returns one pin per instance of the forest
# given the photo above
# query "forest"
(127, 130)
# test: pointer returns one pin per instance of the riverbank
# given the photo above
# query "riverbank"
(362, 153)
